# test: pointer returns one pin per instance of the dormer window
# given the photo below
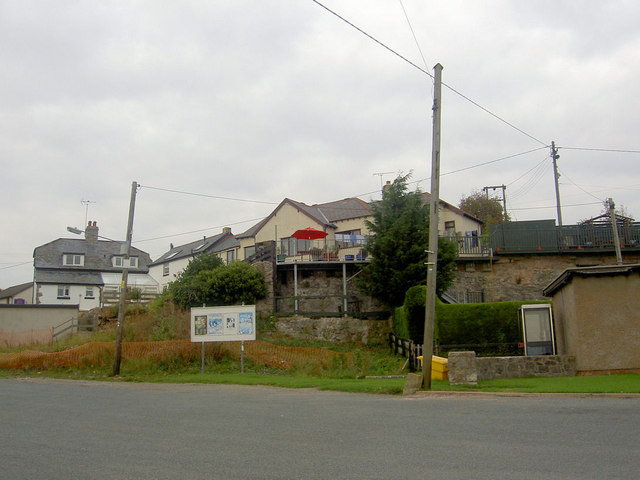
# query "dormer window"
(72, 259)
(122, 262)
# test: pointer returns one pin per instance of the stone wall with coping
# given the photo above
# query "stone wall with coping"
(464, 366)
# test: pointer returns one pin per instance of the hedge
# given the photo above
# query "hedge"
(469, 323)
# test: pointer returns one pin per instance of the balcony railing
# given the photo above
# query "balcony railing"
(322, 250)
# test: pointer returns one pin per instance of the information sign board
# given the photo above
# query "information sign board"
(223, 324)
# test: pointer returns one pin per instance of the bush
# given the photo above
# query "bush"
(231, 284)
(471, 323)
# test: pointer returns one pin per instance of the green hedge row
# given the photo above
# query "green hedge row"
(470, 323)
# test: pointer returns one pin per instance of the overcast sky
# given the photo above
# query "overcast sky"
(264, 99)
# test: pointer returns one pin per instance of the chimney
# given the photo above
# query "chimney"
(91, 232)
(386, 187)
(226, 230)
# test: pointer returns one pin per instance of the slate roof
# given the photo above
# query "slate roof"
(323, 213)
(217, 243)
(344, 209)
(98, 256)
(427, 198)
(14, 290)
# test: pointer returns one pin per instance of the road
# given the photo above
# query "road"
(56, 429)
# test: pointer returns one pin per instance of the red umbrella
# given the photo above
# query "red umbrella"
(309, 234)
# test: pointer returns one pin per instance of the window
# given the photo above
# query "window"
(73, 259)
(88, 292)
(120, 261)
(249, 251)
(450, 228)
(165, 269)
(63, 291)
(173, 254)
(230, 256)
(350, 238)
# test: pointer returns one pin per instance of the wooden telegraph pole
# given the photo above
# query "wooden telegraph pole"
(432, 261)
(123, 285)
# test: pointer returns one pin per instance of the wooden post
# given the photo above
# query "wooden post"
(123, 284)
(432, 262)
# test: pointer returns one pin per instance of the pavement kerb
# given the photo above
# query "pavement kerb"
(445, 394)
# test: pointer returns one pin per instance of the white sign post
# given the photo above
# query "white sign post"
(224, 324)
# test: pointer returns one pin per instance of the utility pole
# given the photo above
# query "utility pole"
(432, 259)
(556, 176)
(614, 226)
(504, 197)
(123, 285)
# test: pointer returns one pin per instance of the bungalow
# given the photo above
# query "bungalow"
(87, 272)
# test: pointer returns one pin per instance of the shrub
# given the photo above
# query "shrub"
(471, 323)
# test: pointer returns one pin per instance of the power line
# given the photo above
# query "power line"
(414, 34)
(611, 150)
(429, 74)
(574, 183)
(208, 196)
(492, 161)
(16, 265)
(554, 206)
(199, 230)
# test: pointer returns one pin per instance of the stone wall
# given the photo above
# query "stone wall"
(264, 307)
(521, 277)
(340, 329)
(322, 291)
(465, 366)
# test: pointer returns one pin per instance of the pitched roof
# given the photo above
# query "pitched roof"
(217, 243)
(344, 209)
(323, 213)
(68, 278)
(427, 198)
(14, 290)
(98, 255)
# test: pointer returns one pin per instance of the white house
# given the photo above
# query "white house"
(167, 266)
(87, 272)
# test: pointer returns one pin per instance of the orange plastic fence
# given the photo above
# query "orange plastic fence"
(98, 353)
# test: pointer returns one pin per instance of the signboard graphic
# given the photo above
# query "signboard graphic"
(223, 324)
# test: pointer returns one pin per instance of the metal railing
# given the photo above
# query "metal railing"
(322, 250)
(511, 238)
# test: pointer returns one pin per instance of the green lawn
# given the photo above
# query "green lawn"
(619, 383)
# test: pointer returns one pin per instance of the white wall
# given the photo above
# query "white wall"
(48, 295)
(175, 267)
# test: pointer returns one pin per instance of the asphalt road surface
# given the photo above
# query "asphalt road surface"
(53, 429)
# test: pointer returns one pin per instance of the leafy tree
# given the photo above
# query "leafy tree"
(205, 261)
(398, 246)
(206, 280)
(487, 209)
(233, 284)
